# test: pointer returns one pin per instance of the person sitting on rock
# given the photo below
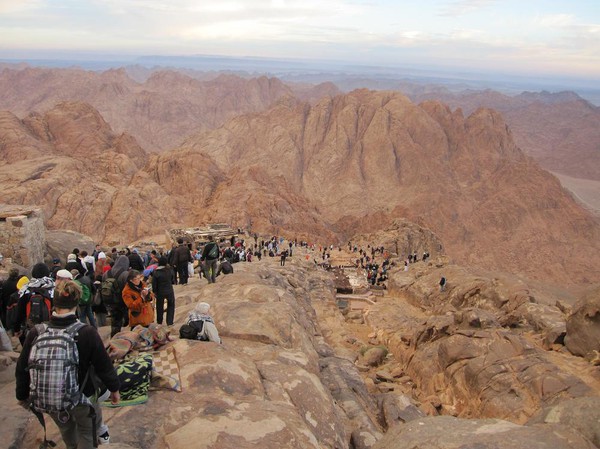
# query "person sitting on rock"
(225, 267)
(200, 319)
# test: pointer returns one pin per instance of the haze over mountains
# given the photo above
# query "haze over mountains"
(307, 161)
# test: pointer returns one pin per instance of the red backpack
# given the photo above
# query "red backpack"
(38, 308)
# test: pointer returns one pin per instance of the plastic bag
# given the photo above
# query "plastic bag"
(190, 269)
(5, 343)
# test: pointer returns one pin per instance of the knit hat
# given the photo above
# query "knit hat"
(71, 257)
(64, 274)
(101, 255)
(202, 308)
(67, 295)
(40, 270)
(23, 280)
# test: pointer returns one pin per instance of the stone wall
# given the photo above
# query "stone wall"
(22, 234)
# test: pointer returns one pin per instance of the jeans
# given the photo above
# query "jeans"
(210, 270)
(78, 431)
(86, 312)
(182, 271)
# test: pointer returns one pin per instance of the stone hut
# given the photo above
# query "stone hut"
(22, 234)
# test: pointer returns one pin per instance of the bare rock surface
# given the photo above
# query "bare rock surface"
(445, 432)
(583, 327)
(289, 372)
(581, 414)
(459, 346)
(263, 386)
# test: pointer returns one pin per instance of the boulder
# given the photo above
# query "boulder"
(583, 326)
(580, 414)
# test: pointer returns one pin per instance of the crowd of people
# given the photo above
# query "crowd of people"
(135, 288)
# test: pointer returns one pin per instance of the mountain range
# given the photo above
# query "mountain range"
(119, 160)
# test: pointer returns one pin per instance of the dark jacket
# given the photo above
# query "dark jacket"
(162, 281)
(136, 262)
(9, 286)
(91, 353)
(181, 255)
(119, 272)
(73, 265)
(206, 250)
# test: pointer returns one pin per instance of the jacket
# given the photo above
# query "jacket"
(91, 353)
(140, 311)
(162, 283)
(181, 255)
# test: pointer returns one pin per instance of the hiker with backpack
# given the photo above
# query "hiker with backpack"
(58, 370)
(35, 301)
(210, 257)
(200, 325)
(85, 302)
(111, 287)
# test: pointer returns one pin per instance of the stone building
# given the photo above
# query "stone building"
(22, 234)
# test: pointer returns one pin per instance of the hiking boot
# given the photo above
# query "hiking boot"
(104, 438)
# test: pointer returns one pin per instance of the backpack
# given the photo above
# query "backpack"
(198, 325)
(54, 369)
(214, 252)
(38, 308)
(188, 332)
(109, 291)
(86, 294)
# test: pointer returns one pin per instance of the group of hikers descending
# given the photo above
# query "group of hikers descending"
(55, 313)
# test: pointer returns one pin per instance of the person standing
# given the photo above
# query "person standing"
(117, 307)
(442, 284)
(210, 257)
(181, 258)
(78, 425)
(163, 290)
(9, 286)
(137, 297)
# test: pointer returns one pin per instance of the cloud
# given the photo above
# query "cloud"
(554, 21)
(12, 6)
(461, 7)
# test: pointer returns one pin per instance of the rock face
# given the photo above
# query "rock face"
(264, 386)
(462, 177)
(569, 148)
(583, 328)
(473, 349)
(313, 172)
(581, 414)
(446, 432)
(284, 377)
(158, 112)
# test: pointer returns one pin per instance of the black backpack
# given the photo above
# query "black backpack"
(213, 253)
(193, 331)
(38, 308)
(188, 332)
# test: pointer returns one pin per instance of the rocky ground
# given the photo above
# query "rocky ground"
(296, 371)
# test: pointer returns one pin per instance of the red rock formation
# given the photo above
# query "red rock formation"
(299, 170)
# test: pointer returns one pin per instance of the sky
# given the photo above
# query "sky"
(526, 37)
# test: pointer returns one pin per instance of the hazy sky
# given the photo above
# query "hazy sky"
(530, 37)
